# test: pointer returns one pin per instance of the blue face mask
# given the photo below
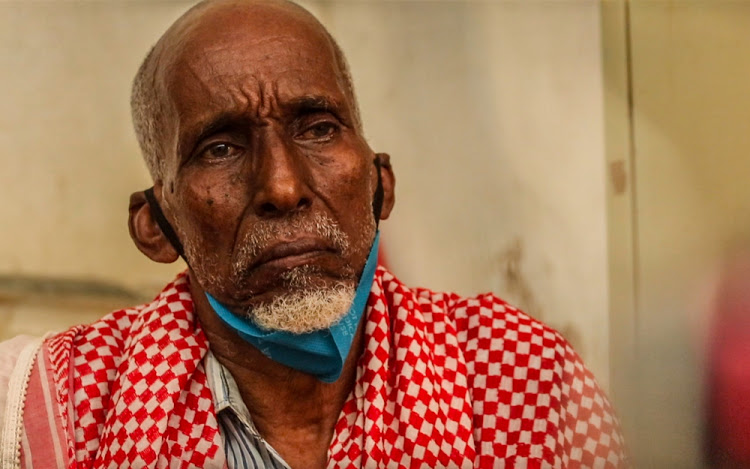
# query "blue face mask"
(321, 353)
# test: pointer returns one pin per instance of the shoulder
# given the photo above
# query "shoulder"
(482, 324)
(111, 334)
(103, 337)
(98, 349)
(533, 399)
(486, 322)
(532, 389)
(495, 339)
(502, 343)
(435, 305)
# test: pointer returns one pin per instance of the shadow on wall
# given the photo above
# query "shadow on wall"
(517, 289)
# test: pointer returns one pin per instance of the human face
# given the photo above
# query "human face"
(270, 170)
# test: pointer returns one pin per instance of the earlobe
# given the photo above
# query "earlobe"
(146, 233)
(389, 184)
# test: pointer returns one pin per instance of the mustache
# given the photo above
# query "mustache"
(265, 233)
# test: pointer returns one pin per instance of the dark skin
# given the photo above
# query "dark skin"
(262, 127)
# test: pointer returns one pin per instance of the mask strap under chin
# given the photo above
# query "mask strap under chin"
(163, 223)
(377, 199)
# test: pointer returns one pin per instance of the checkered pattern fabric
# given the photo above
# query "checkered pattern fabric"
(139, 393)
(443, 382)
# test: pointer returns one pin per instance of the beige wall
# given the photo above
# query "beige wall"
(492, 112)
(70, 161)
(69, 157)
(683, 149)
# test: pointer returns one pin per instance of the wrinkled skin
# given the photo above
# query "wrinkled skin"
(261, 131)
(283, 140)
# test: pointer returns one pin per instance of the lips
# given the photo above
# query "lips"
(290, 254)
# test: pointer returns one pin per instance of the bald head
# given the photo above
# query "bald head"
(209, 30)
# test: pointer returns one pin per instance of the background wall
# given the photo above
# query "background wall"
(678, 107)
(587, 161)
(69, 160)
(492, 112)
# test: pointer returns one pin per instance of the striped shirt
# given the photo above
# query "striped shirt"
(243, 445)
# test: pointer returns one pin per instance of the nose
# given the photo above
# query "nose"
(280, 178)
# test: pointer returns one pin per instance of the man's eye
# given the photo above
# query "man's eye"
(220, 151)
(321, 131)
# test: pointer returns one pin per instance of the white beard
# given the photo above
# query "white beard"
(306, 308)
(305, 311)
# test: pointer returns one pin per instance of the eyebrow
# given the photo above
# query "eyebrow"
(312, 103)
(220, 123)
(299, 105)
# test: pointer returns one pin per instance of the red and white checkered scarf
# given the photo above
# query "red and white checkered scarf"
(443, 382)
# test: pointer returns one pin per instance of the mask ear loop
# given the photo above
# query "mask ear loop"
(163, 223)
(377, 198)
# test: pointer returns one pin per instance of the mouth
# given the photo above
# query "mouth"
(287, 255)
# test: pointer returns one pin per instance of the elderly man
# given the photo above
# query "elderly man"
(284, 345)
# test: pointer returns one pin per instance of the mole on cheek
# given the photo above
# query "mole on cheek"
(209, 202)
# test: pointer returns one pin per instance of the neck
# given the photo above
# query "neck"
(288, 407)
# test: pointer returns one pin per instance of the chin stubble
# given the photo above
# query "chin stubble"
(304, 311)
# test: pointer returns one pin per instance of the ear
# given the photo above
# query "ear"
(389, 184)
(146, 233)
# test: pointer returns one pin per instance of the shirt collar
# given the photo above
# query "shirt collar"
(226, 393)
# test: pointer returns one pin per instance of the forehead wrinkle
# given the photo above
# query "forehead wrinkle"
(205, 54)
(266, 101)
(253, 98)
(248, 89)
